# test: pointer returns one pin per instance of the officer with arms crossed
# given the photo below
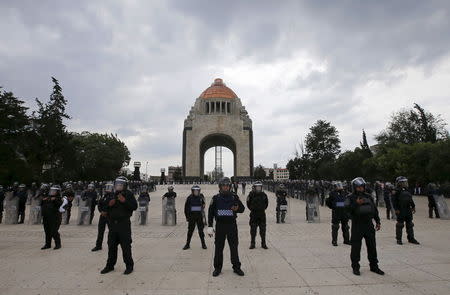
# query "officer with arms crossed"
(257, 203)
(194, 212)
(362, 211)
(404, 209)
(336, 202)
(223, 209)
(119, 210)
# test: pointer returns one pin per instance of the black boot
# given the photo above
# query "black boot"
(410, 233)
(46, 247)
(377, 270)
(388, 214)
(334, 234)
(252, 245)
(107, 269)
(346, 234)
(216, 272)
(187, 246)
(96, 248)
(188, 241)
(202, 239)
(399, 232)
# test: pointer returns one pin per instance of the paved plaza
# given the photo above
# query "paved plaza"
(300, 258)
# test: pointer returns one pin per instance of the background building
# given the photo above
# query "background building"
(280, 174)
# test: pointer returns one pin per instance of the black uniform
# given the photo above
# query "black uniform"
(432, 203)
(387, 200)
(362, 227)
(193, 210)
(281, 201)
(51, 218)
(2, 199)
(103, 219)
(336, 202)
(23, 196)
(404, 205)
(226, 227)
(257, 203)
(120, 228)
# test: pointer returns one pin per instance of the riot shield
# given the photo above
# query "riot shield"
(35, 211)
(282, 212)
(312, 208)
(381, 200)
(169, 213)
(84, 211)
(11, 208)
(441, 206)
(393, 215)
(29, 196)
(141, 213)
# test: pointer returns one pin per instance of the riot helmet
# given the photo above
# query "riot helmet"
(120, 184)
(358, 182)
(401, 182)
(55, 190)
(109, 187)
(337, 185)
(225, 184)
(257, 186)
(195, 189)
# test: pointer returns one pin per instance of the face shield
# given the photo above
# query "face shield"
(54, 191)
(119, 186)
(196, 192)
(109, 187)
(225, 187)
(258, 188)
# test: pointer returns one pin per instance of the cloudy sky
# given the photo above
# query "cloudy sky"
(135, 67)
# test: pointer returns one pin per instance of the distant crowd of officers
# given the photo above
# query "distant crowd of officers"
(116, 202)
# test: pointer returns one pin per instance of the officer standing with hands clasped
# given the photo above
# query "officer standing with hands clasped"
(362, 210)
(194, 212)
(223, 208)
(119, 210)
(336, 202)
(257, 203)
(103, 219)
(404, 209)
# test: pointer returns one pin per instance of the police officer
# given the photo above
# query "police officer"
(404, 209)
(92, 194)
(432, 190)
(387, 193)
(194, 212)
(119, 210)
(362, 211)
(23, 196)
(281, 195)
(336, 202)
(257, 203)
(103, 219)
(170, 195)
(2, 199)
(224, 208)
(143, 202)
(52, 217)
(69, 194)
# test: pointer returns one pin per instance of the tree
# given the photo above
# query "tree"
(97, 156)
(259, 172)
(322, 146)
(413, 126)
(365, 146)
(14, 130)
(51, 130)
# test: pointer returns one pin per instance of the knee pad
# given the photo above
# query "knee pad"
(410, 224)
(399, 225)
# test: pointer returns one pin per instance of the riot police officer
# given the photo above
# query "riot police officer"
(143, 202)
(362, 210)
(103, 219)
(431, 191)
(119, 210)
(2, 199)
(194, 212)
(70, 196)
(91, 193)
(224, 208)
(404, 207)
(52, 217)
(387, 193)
(336, 202)
(23, 196)
(257, 203)
(282, 203)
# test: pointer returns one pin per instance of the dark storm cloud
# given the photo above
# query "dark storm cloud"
(135, 67)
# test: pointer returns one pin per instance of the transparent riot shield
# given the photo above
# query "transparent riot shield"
(381, 200)
(29, 196)
(393, 215)
(64, 217)
(11, 208)
(169, 213)
(441, 206)
(312, 208)
(141, 214)
(282, 212)
(84, 211)
(35, 211)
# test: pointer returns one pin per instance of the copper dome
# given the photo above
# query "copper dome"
(218, 89)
